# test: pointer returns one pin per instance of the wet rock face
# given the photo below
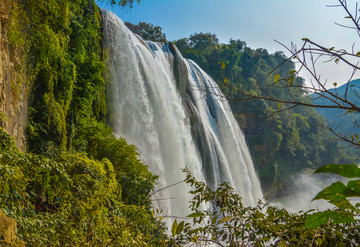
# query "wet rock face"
(13, 90)
(8, 230)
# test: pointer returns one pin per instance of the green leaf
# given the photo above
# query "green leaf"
(195, 215)
(276, 77)
(354, 185)
(180, 227)
(292, 71)
(225, 80)
(342, 217)
(348, 170)
(318, 241)
(225, 219)
(322, 218)
(222, 65)
(173, 228)
(335, 84)
(194, 239)
(291, 80)
(279, 105)
(318, 219)
(336, 195)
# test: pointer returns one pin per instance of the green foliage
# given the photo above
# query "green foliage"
(338, 194)
(67, 73)
(284, 144)
(147, 31)
(203, 41)
(136, 181)
(82, 187)
(349, 171)
(69, 199)
(227, 222)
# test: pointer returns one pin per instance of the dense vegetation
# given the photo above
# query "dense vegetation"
(74, 199)
(65, 60)
(78, 185)
(230, 223)
(282, 144)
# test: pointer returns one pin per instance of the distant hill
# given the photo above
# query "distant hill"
(338, 117)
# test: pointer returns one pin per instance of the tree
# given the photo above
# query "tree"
(122, 3)
(147, 31)
(203, 41)
(317, 95)
(308, 57)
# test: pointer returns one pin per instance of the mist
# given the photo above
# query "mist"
(305, 188)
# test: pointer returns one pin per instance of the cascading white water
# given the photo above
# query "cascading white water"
(171, 111)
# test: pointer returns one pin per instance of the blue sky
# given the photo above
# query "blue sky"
(257, 22)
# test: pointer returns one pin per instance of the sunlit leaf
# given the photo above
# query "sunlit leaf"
(225, 80)
(292, 72)
(195, 215)
(180, 227)
(276, 77)
(279, 105)
(291, 80)
(222, 65)
(173, 228)
(282, 244)
(225, 219)
(318, 241)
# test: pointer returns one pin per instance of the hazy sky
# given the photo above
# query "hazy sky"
(257, 22)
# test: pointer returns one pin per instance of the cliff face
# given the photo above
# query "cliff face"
(13, 90)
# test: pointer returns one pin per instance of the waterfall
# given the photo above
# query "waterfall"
(176, 116)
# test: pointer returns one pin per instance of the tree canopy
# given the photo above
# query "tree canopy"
(282, 143)
(147, 31)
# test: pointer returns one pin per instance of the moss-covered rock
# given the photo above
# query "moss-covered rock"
(8, 231)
